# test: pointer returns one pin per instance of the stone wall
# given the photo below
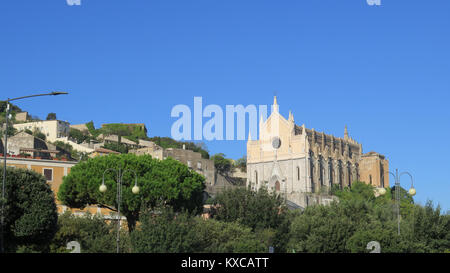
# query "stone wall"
(374, 169)
(22, 116)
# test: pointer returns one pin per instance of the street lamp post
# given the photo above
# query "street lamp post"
(412, 192)
(5, 151)
(119, 180)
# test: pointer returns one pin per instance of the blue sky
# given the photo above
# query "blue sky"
(382, 70)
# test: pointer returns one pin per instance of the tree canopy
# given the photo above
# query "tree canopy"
(91, 231)
(255, 209)
(30, 211)
(359, 217)
(170, 232)
(51, 116)
(223, 165)
(162, 182)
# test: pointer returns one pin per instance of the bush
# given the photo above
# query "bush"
(169, 232)
(78, 135)
(165, 232)
(257, 210)
(359, 217)
(92, 232)
(223, 165)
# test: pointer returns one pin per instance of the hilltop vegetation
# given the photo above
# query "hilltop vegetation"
(167, 142)
(134, 132)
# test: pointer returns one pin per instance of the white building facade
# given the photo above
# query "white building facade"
(303, 165)
(53, 129)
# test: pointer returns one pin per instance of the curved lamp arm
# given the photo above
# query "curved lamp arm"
(135, 189)
(103, 179)
(135, 175)
(411, 191)
(395, 177)
(410, 176)
(103, 187)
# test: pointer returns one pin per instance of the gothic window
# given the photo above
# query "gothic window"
(323, 176)
(298, 173)
(349, 171)
(330, 177)
(256, 177)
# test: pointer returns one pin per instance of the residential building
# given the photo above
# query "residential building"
(52, 129)
(28, 145)
(54, 171)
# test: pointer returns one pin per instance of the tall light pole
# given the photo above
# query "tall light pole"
(119, 172)
(412, 192)
(5, 151)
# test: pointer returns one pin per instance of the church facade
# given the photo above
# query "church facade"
(303, 165)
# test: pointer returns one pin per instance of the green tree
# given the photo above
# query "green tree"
(30, 211)
(359, 217)
(118, 147)
(11, 130)
(13, 110)
(255, 209)
(230, 237)
(78, 135)
(430, 228)
(91, 128)
(51, 116)
(164, 231)
(66, 149)
(37, 133)
(92, 232)
(321, 229)
(161, 182)
(132, 132)
(223, 165)
(241, 163)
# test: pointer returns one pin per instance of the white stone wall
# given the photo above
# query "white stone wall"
(76, 146)
(289, 182)
(53, 129)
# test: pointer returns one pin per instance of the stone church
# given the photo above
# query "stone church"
(303, 165)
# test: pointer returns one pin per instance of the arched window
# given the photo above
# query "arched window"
(370, 179)
(322, 180)
(256, 177)
(298, 173)
(277, 186)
